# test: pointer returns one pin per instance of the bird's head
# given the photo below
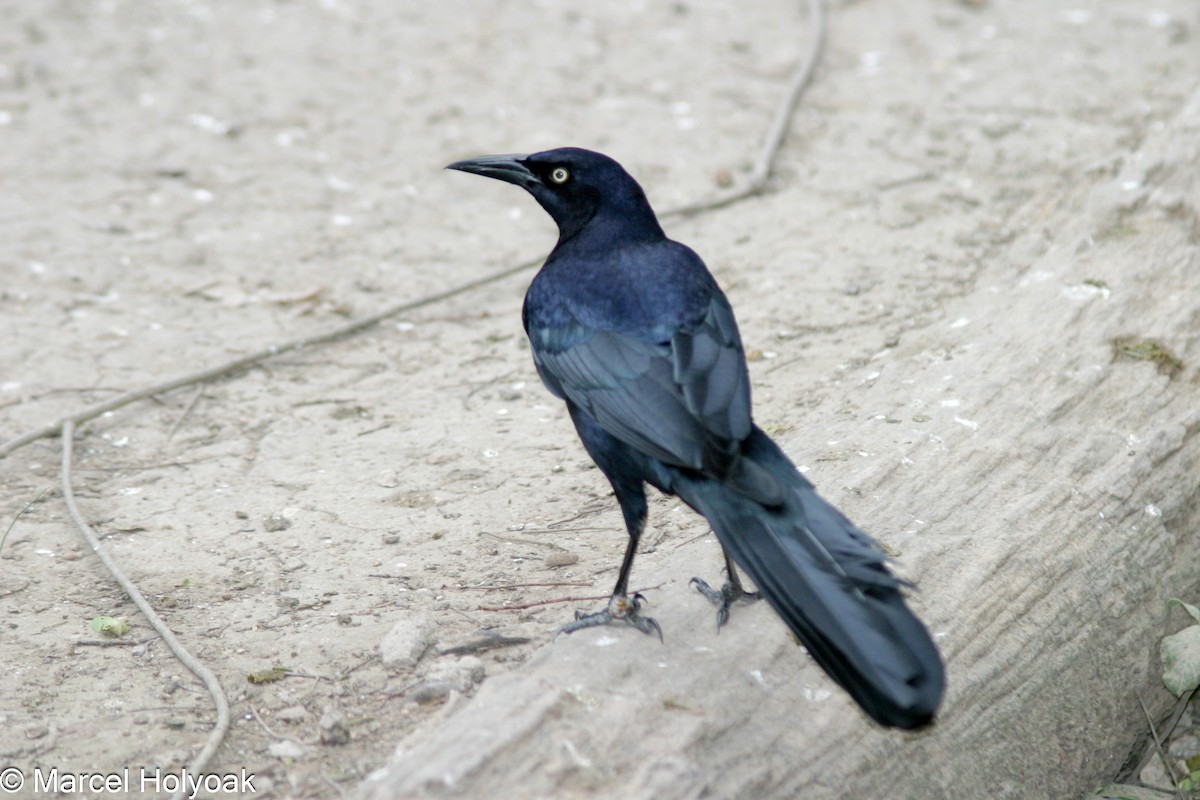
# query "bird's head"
(573, 185)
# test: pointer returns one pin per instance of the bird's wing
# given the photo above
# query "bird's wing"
(684, 400)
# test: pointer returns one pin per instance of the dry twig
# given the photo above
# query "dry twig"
(589, 598)
(187, 659)
(18, 515)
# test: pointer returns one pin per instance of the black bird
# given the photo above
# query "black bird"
(630, 329)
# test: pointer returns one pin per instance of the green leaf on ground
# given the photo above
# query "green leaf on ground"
(275, 673)
(1188, 607)
(1180, 654)
(110, 626)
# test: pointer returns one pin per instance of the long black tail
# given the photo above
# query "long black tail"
(829, 582)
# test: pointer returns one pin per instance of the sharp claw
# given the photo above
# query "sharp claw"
(583, 620)
(620, 608)
(648, 625)
(722, 599)
(702, 586)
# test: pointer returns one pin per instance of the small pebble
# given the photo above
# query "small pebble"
(334, 729)
(407, 641)
(276, 522)
(561, 559)
(429, 691)
(292, 714)
(1186, 746)
(285, 750)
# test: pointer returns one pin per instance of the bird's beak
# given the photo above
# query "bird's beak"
(509, 168)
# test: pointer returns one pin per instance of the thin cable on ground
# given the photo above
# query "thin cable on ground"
(761, 172)
(250, 359)
(186, 658)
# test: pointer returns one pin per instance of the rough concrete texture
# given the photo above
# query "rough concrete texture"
(1044, 496)
(983, 211)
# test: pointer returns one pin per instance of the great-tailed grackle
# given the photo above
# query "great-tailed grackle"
(632, 331)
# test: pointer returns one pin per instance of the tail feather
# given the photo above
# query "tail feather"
(829, 581)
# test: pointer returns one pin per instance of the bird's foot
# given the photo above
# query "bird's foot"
(621, 608)
(723, 599)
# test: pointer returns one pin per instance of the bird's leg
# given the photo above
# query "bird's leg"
(728, 593)
(619, 465)
(621, 607)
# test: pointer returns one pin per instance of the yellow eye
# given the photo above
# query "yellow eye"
(560, 175)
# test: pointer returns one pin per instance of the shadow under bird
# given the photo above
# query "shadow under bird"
(630, 329)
